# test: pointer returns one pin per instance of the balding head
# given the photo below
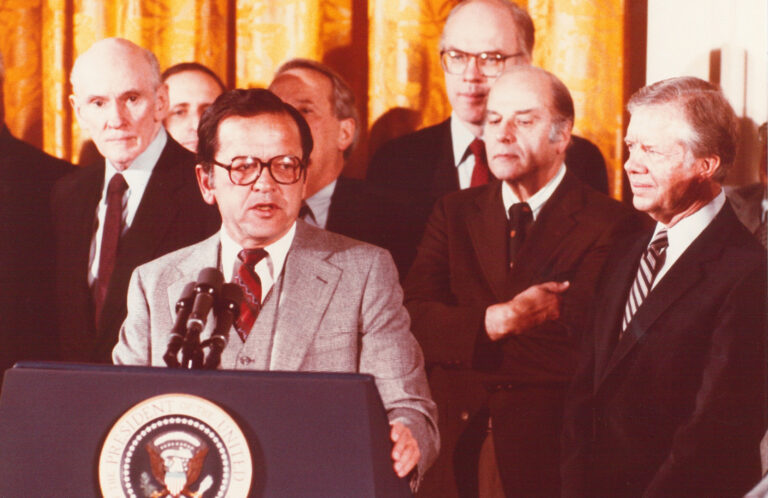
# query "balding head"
(119, 98)
(120, 49)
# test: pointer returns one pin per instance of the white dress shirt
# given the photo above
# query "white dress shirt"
(320, 204)
(685, 231)
(268, 269)
(136, 176)
(537, 200)
(461, 137)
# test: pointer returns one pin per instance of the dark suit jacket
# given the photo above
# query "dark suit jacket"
(677, 407)
(26, 254)
(420, 168)
(461, 269)
(171, 215)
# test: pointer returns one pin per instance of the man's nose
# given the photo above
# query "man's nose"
(116, 114)
(472, 72)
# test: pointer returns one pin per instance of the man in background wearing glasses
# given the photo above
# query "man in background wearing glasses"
(481, 39)
(314, 300)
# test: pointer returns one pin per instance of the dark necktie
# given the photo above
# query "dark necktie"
(520, 221)
(306, 214)
(250, 282)
(650, 264)
(480, 174)
(113, 226)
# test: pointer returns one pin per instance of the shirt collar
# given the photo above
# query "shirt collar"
(320, 203)
(537, 200)
(276, 253)
(137, 174)
(686, 230)
(461, 137)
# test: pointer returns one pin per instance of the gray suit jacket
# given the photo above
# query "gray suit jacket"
(340, 310)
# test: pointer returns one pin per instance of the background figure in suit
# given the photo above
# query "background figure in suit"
(139, 203)
(26, 255)
(750, 202)
(316, 301)
(669, 397)
(339, 204)
(192, 87)
(480, 39)
(499, 301)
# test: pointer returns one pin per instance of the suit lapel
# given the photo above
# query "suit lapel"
(84, 198)
(685, 274)
(548, 234)
(445, 177)
(487, 228)
(206, 255)
(309, 282)
(622, 273)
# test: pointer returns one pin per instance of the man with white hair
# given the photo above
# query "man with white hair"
(138, 203)
(26, 261)
(669, 396)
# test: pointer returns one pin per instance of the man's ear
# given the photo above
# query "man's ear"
(346, 133)
(708, 166)
(205, 182)
(75, 106)
(161, 102)
(561, 135)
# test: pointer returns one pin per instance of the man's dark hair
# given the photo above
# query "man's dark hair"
(184, 67)
(244, 103)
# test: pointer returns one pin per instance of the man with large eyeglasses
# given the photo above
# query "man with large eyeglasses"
(480, 39)
(318, 301)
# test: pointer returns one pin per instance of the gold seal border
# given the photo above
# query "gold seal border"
(169, 405)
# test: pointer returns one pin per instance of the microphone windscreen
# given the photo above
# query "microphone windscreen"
(211, 277)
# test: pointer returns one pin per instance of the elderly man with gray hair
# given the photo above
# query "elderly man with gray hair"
(669, 398)
(137, 203)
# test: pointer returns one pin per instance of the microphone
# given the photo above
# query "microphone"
(179, 330)
(209, 282)
(227, 310)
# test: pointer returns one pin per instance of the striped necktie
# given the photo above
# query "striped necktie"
(650, 264)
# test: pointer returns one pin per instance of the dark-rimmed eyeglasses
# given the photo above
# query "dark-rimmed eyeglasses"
(245, 170)
(490, 64)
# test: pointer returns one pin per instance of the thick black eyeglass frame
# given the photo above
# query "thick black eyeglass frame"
(262, 164)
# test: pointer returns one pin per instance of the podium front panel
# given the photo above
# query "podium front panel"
(309, 434)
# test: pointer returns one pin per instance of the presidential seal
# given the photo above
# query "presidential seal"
(175, 445)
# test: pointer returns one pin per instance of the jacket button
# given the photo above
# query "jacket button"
(246, 360)
(464, 415)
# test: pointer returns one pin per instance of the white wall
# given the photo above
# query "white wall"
(681, 35)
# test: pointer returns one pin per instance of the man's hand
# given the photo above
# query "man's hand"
(535, 305)
(405, 452)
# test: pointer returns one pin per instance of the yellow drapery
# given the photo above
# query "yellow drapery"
(386, 49)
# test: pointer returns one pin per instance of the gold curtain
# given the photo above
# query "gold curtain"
(386, 49)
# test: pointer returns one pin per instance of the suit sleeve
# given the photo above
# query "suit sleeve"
(389, 352)
(729, 413)
(133, 346)
(447, 331)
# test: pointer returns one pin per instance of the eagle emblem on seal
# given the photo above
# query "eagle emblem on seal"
(177, 459)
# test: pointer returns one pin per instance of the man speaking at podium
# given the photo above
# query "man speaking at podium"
(314, 301)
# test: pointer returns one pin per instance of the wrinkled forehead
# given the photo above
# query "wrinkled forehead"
(659, 123)
(112, 66)
(481, 27)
